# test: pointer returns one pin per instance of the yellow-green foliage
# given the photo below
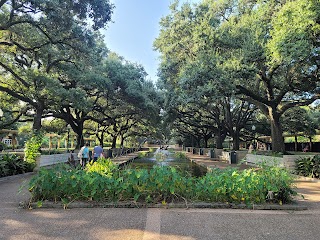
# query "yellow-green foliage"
(33, 146)
(103, 166)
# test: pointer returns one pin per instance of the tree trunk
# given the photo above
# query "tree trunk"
(198, 142)
(206, 142)
(79, 131)
(114, 141)
(276, 132)
(295, 143)
(80, 141)
(220, 136)
(122, 141)
(37, 117)
(310, 143)
(235, 141)
(101, 139)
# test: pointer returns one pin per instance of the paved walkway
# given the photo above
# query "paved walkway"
(151, 224)
(155, 224)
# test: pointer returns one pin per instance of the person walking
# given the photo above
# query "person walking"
(80, 155)
(85, 155)
(97, 152)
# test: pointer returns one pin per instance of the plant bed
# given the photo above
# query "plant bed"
(11, 164)
(104, 183)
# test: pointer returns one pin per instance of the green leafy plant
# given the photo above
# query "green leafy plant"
(33, 147)
(4, 170)
(11, 164)
(103, 166)
(3, 146)
(102, 181)
(308, 167)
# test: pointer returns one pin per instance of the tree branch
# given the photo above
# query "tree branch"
(15, 75)
(17, 96)
(251, 96)
(299, 103)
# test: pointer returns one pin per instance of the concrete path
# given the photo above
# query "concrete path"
(149, 224)
(153, 224)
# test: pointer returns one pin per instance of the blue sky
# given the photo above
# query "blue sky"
(136, 25)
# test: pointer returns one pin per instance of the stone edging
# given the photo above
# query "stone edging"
(48, 204)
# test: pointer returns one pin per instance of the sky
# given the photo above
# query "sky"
(134, 28)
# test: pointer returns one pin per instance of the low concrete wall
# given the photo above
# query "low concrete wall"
(225, 156)
(261, 159)
(287, 161)
(218, 152)
(46, 160)
(241, 155)
(200, 151)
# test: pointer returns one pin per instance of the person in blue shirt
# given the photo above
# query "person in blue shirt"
(85, 154)
(97, 152)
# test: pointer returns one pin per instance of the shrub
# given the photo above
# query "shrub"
(308, 167)
(104, 166)
(12, 165)
(33, 147)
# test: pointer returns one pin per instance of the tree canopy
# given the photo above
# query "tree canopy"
(265, 53)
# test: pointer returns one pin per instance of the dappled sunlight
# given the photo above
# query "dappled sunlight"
(116, 234)
(15, 224)
(47, 214)
(310, 191)
(133, 234)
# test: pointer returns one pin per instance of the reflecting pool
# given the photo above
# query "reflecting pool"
(167, 158)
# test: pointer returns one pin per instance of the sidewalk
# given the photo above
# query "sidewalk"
(150, 223)
(147, 223)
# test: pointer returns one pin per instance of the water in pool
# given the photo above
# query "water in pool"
(167, 158)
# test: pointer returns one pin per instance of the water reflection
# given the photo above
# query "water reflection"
(167, 158)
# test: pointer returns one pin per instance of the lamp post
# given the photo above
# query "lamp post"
(68, 136)
(213, 136)
(254, 136)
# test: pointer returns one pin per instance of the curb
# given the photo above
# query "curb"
(199, 205)
(13, 177)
